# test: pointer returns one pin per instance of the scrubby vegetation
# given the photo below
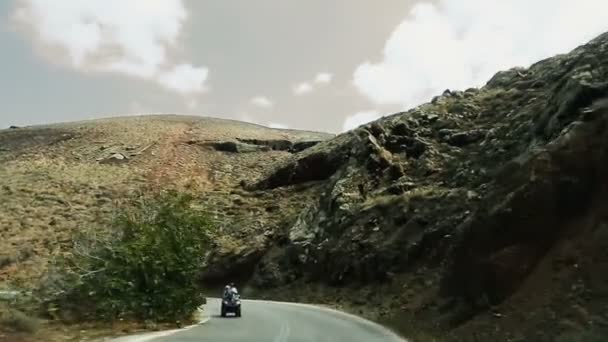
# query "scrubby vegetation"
(146, 268)
(582, 336)
(14, 320)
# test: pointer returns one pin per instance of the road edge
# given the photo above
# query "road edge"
(204, 318)
(351, 316)
(359, 319)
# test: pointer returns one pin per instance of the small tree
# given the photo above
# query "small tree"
(147, 268)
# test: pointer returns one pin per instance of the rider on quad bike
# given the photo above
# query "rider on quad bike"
(231, 301)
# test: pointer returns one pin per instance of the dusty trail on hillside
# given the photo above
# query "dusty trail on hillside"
(177, 163)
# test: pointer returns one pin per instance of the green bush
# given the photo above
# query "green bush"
(147, 268)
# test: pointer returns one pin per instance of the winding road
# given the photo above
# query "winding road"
(282, 322)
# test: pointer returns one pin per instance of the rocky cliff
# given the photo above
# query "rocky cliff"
(455, 207)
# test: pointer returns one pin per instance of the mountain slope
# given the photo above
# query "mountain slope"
(477, 216)
(59, 180)
(480, 213)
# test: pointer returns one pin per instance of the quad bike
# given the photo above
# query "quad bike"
(231, 304)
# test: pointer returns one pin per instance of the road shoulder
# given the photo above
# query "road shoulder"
(202, 316)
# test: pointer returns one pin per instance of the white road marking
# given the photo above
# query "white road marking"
(283, 335)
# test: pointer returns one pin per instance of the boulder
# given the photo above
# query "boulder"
(115, 158)
(461, 138)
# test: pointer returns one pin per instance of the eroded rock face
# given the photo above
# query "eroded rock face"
(238, 147)
(300, 146)
(535, 195)
(232, 265)
(277, 145)
(315, 164)
(476, 185)
(258, 145)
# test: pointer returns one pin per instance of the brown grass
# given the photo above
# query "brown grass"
(52, 184)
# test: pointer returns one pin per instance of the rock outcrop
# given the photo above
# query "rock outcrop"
(470, 192)
(259, 145)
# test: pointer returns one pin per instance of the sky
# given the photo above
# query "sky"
(314, 65)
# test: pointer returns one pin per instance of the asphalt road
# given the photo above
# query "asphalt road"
(281, 322)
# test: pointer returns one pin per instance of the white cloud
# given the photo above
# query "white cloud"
(302, 88)
(262, 101)
(131, 37)
(459, 44)
(359, 119)
(185, 78)
(324, 78)
(277, 125)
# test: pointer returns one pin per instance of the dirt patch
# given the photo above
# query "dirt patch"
(17, 141)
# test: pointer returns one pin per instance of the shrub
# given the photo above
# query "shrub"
(146, 269)
(16, 320)
(6, 261)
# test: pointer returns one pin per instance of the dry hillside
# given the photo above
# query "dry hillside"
(60, 179)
